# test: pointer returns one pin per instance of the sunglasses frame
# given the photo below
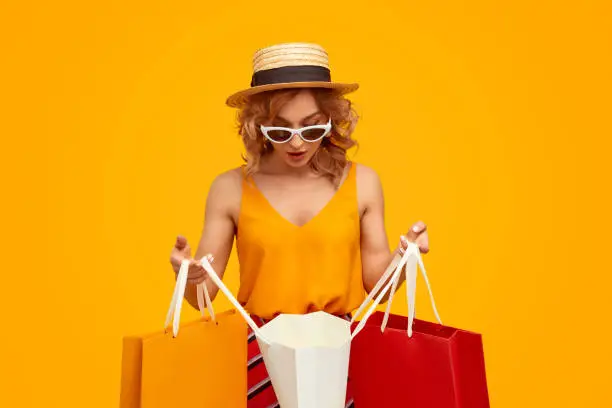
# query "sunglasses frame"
(327, 128)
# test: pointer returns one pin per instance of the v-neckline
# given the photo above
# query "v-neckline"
(314, 217)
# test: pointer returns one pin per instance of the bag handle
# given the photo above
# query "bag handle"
(393, 271)
(410, 260)
(176, 304)
(411, 279)
(215, 278)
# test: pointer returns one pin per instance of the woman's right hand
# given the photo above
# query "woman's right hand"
(182, 251)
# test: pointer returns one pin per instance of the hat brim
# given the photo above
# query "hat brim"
(238, 99)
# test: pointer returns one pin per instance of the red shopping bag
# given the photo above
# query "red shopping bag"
(438, 367)
(399, 361)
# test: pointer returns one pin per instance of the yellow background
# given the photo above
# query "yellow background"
(488, 120)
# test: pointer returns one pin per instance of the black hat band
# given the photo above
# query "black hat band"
(289, 74)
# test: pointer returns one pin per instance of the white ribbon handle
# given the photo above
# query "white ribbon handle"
(390, 270)
(414, 254)
(215, 278)
(176, 304)
(394, 270)
(411, 279)
(410, 260)
(204, 301)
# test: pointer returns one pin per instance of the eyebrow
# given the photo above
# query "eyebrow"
(281, 119)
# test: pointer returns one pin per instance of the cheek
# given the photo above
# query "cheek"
(280, 147)
(313, 147)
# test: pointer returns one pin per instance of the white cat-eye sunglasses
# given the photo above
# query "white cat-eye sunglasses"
(309, 134)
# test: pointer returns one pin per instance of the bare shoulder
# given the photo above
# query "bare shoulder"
(369, 188)
(226, 191)
(367, 176)
(228, 182)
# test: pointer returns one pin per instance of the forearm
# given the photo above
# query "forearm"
(376, 271)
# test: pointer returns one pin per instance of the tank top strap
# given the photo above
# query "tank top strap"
(351, 178)
(248, 184)
(346, 193)
(251, 201)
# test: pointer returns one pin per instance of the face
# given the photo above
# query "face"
(299, 112)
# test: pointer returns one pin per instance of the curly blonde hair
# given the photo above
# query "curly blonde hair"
(330, 159)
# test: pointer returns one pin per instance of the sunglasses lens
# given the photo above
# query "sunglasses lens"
(279, 135)
(313, 134)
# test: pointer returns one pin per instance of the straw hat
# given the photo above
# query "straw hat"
(289, 65)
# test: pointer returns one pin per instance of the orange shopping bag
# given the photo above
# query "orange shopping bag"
(202, 366)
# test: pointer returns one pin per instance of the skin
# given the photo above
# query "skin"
(289, 184)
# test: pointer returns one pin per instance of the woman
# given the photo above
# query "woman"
(309, 224)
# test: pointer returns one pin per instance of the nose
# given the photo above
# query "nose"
(296, 141)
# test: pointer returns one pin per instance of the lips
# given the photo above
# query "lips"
(296, 155)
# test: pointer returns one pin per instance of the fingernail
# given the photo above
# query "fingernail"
(403, 239)
(416, 228)
(211, 258)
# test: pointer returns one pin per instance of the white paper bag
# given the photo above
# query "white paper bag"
(306, 356)
(307, 359)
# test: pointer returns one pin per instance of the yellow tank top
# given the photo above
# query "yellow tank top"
(285, 268)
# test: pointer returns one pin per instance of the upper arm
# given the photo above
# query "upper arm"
(375, 252)
(222, 207)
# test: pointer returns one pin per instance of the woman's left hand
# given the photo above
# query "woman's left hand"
(418, 235)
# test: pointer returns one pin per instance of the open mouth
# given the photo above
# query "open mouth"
(296, 155)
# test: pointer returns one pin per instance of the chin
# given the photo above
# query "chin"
(298, 161)
(296, 164)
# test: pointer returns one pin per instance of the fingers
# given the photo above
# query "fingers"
(416, 230)
(418, 235)
(180, 252)
(181, 243)
(175, 261)
(197, 273)
(423, 243)
(403, 244)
